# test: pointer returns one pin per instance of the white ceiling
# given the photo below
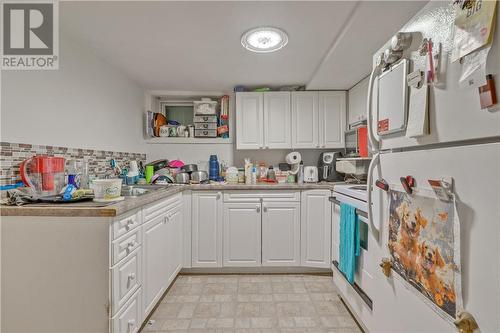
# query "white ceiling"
(196, 46)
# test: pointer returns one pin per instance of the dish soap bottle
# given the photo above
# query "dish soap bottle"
(300, 174)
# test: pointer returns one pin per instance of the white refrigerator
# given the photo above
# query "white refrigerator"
(463, 143)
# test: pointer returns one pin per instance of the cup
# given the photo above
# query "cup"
(164, 131)
(149, 173)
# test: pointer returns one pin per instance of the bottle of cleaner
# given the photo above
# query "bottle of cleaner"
(300, 174)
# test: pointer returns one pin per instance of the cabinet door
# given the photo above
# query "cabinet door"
(175, 243)
(277, 120)
(155, 261)
(305, 125)
(332, 116)
(206, 229)
(249, 120)
(242, 234)
(316, 215)
(281, 234)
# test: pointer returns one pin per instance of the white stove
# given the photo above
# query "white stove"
(355, 191)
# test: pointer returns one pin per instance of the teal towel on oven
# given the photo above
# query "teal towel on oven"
(349, 241)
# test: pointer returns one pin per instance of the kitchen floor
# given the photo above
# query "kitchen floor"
(252, 303)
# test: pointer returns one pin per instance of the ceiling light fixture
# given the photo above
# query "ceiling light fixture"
(264, 39)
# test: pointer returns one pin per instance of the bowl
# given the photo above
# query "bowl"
(189, 168)
(182, 178)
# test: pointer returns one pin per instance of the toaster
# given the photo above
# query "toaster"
(310, 174)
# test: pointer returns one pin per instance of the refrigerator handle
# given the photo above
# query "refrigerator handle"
(373, 163)
(369, 106)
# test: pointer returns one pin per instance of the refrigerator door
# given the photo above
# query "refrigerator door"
(455, 114)
(475, 170)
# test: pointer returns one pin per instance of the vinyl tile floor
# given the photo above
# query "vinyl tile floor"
(253, 304)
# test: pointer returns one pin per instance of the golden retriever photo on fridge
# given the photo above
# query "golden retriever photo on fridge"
(422, 247)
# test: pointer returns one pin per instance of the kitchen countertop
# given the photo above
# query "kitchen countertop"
(92, 209)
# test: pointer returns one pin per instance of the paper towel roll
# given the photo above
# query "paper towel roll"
(294, 159)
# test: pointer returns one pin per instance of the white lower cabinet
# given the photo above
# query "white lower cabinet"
(316, 215)
(281, 234)
(206, 229)
(156, 263)
(174, 242)
(242, 234)
(129, 318)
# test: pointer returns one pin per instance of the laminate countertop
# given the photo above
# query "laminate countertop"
(94, 209)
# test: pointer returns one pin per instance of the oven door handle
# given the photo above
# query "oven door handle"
(359, 212)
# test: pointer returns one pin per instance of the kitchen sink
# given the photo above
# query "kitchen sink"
(138, 190)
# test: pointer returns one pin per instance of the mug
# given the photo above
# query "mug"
(172, 130)
(180, 130)
(164, 131)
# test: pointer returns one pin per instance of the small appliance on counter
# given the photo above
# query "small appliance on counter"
(327, 167)
(310, 174)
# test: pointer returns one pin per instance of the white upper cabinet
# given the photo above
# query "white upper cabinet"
(281, 234)
(284, 120)
(242, 234)
(305, 115)
(206, 229)
(332, 115)
(316, 216)
(277, 120)
(250, 120)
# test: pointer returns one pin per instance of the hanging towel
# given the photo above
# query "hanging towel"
(349, 241)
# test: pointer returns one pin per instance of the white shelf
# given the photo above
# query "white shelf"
(354, 159)
(180, 140)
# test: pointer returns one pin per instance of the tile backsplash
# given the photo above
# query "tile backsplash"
(12, 154)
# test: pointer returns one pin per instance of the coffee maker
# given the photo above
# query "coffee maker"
(326, 167)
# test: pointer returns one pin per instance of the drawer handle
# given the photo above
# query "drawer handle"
(258, 209)
(265, 209)
(131, 276)
(130, 246)
(129, 223)
(205, 132)
(205, 125)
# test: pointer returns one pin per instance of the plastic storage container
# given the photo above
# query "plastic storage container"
(43, 174)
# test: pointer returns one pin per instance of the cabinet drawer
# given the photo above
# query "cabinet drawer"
(202, 126)
(125, 245)
(205, 133)
(160, 207)
(127, 278)
(126, 223)
(205, 119)
(256, 196)
(128, 319)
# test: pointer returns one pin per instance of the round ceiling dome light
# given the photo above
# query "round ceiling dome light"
(264, 39)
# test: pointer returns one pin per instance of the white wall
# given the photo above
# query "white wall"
(87, 103)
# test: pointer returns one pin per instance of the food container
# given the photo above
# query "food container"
(241, 175)
(182, 178)
(199, 177)
(106, 189)
(232, 175)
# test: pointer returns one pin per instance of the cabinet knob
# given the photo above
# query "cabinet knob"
(218, 195)
(258, 209)
(265, 209)
(131, 276)
(131, 324)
